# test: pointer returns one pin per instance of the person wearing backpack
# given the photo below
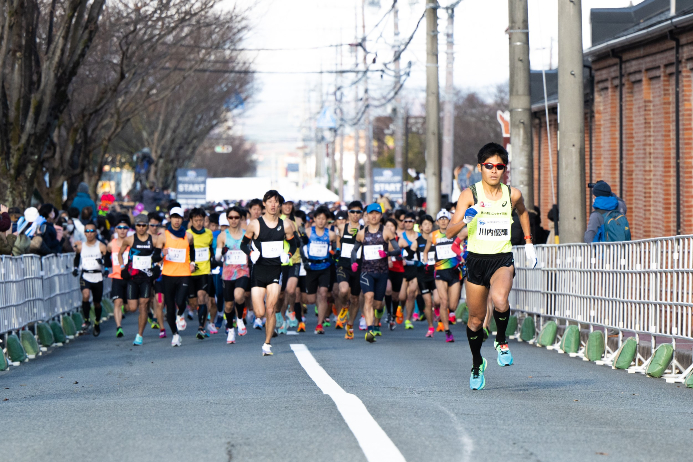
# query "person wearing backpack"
(608, 222)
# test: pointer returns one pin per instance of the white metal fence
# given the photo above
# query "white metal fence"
(34, 288)
(641, 287)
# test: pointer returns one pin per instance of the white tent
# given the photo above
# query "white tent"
(316, 192)
(219, 189)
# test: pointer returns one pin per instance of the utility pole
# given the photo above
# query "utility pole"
(367, 116)
(340, 126)
(319, 154)
(399, 116)
(522, 164)
(357, 141)
(571, 162)
(449, 107)
(432, 110)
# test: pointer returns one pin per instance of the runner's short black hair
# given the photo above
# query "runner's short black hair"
(214, 218)
(356, 204)
(273, 193)
(427, 218)
(236, 209)
(197, 212)
(411, 215)
(122, 218)
(255, 202)
(399, 213)
(490, 150)
(300, 214)
(154, 216)
(322, 211)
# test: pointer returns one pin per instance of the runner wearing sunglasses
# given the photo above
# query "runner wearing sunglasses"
(155, 230)
(349, 281)
(118, 285)
(486, 208)
(426, 274)
(89, 264)
(408, 242)
(137, 270)
(236, 273)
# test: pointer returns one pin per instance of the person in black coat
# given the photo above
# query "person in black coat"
(48, 233)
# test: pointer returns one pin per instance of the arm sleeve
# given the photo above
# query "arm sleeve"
(156, 256)
(396, 251)
(76, 260)
(217, 254)
(292, 245)
(355, 252)
(593, 227)
(245, 245)
(108, 260)
(192, 252)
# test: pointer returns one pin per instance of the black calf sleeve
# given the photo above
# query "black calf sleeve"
(475, 341)
(97, 312)
(202, 314)
(501, 324)
(86, 308)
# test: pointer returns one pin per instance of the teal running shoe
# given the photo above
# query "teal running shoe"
(282, 327)
(505, 358)
(477, 380)
(138, 340)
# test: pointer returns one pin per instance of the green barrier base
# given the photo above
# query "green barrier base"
(511, 330)
(528, 330)
(108, 308)
(68, 326)
(689, 380)
(547, 337)
(626, 354)
(660, 360)
(31, 346)
(595, 346)
(461, 312)
(58, 333)
(78, 320)
(3, 361)
(15, 350)
(570, 343)
(45, 335)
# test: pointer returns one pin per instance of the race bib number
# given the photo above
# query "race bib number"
(236, 257)
(317, 249)
(175, 255)
(493, 228)
(444, 252)
(90, 264)
(141, 263)
(272, 249)
(302, 271)
(431, 258)
(347, 247)
(202, 254)
(370, 252)
(114, 257)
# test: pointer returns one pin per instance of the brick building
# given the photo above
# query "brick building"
(631, 117)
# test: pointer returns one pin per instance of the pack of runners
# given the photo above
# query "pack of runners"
(264, 265)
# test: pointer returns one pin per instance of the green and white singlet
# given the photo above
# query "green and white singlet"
(489, 231)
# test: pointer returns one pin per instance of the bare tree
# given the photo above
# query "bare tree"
(237, 163)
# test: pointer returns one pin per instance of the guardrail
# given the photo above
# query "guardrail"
(34, 288)
(636, 288)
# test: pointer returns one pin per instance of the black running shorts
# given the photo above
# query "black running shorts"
(139, 288)
(231, 286)
(119, 289)
(481, 268)
(197, 283)
(96, 289)
(289, 272)
(317, 278)
(376, 283)
(264, 275)
(345, 274)
(410, 272)
(450, 275)
(396, 279)
(426, 286)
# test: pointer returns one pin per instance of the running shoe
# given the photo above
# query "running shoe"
(200, 334)
(370, 336)
(362, 324)
(283, 328)
(349, 335)
(212, 328)
(319, 329)
(257, 324)
(476, 380)
(231, 337)
(219, 321)
(343, 315)
(280, 319)
(86, 325)
(119, 332)
(334, 310)
(448, 337)
(188, 312)
(241, 327)
(301, 327)
(339, 324)
(452, 319)
(408, 325)
(162, 333)
(415, 316)
(180, 323)
(97, 329)
(175, 341)
(400, 316)
(275, 334)
(430, 332)
(393, 324)
(376, 331)
(440, 327)
(293, 322)
(153, 324)
(327, 323)
(266, 349)
(505, 358)
(138, 340)
(436, 312)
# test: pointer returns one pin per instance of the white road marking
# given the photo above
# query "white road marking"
(374, 442)
(466, 441)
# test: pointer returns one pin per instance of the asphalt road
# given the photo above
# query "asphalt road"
(104, 399)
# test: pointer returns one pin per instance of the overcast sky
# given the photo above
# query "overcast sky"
(294, 26)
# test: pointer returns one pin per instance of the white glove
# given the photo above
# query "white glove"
(254, 256)
(471, 213)
(531, 255)
(284, 258)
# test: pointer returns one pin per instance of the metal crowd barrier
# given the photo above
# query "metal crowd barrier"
(641, 288)
(34, 289)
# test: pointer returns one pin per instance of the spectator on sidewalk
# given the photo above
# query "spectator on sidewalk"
(48, 232)
(83, 199)
(6, 239)
(5, 221)
(15, 215)
(604, 202)
(151, 198)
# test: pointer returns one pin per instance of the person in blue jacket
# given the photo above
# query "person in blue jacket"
(82, 199)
